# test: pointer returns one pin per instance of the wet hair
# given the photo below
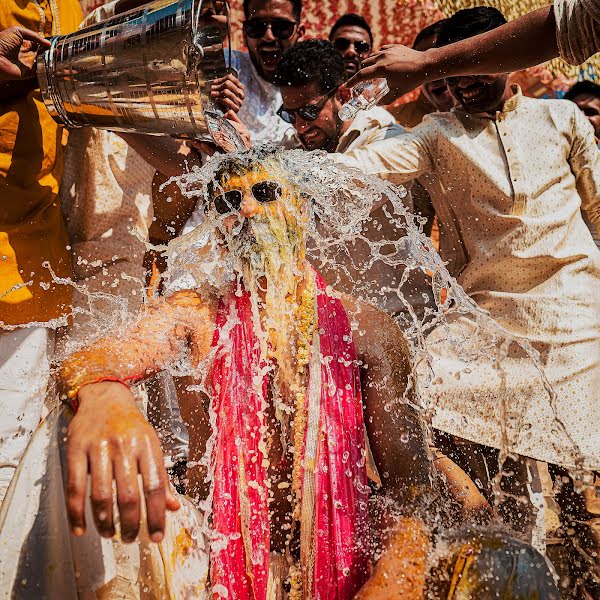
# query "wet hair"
(296, 8)
(431, 31)
(469, 22)
(240, 164)
(349, 20)
(583, 88)
(312, 61)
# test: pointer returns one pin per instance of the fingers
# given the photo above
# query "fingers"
(155, 484)
(128, 495)
(77, 472)
(101, 471)
(229, 92)
(365, 73)
(32, 36)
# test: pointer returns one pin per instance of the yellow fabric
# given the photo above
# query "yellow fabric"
(32, 230)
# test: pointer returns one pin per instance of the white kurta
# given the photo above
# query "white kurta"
(510, 188)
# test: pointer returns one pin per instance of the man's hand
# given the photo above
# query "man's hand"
(404, 68)
(18, 49)
(228, 92)
(110, 439)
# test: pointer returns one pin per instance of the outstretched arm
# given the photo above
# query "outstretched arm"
(108, 437)
(524, 42)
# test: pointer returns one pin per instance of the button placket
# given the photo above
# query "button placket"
(516, 174)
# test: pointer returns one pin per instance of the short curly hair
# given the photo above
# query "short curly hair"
(312, 61)
(349, 20)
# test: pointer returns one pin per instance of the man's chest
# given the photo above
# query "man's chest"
(505, 165)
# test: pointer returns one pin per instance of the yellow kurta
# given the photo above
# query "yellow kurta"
(510, 188)
(32, 230)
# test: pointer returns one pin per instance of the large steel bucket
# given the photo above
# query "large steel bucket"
(148, 70)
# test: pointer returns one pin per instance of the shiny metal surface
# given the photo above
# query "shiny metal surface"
(148, 70)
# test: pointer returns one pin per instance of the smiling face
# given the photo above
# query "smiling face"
(324, 132)
(480, 93)
(266, 51)
(354, 44)
(436, 92)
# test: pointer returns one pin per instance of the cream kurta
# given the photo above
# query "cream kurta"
(510, 187)
(577, 29)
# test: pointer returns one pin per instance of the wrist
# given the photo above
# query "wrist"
(100, 389)
(432, 65)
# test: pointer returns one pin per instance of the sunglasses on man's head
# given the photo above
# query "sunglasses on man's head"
(263, 192)
(361, 47)
(309, 112)
(282, 29)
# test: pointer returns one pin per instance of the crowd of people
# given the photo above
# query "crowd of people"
(508, 185)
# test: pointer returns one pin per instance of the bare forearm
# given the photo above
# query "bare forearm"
(154, 341)
(524, 42)
(166, 155)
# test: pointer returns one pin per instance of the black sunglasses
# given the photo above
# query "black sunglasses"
(361, 47)
(263, 192)
(282, 29)
(309, 112)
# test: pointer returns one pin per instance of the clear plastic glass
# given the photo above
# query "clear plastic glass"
(365, 95)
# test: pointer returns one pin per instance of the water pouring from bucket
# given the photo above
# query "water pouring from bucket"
(148, 70)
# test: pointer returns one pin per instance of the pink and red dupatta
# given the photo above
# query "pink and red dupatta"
(340, 555)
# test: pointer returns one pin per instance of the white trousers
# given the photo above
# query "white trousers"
(25, 356)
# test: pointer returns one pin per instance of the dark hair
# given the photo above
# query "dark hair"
(469, 22)
(296, 8)
(432, 31)
(309, 61)
(581, 88)
(351, 19)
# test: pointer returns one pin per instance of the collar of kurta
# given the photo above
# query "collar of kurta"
(510, 105)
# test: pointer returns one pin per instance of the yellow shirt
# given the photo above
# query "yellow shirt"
(32, 232)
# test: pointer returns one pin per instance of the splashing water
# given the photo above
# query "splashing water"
(337, 220)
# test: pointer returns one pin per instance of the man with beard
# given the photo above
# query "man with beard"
(519, 171)
(270, 28)
(310, 75)
(352, 36)
(285, 380)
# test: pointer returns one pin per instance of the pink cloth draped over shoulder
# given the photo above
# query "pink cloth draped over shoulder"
(339, 513)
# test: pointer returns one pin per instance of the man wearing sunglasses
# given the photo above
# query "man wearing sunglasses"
(270, 28)
(309, 75)
(352, 36)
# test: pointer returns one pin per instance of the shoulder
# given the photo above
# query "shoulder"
(381, 115)
(550, 106)
(375, 330)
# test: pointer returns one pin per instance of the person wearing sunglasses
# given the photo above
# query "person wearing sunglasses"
(310, 75)
(352, 36)
(270, 28)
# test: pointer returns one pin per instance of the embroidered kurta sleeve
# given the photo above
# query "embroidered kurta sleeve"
(585, 164)
(160, 336)
(577, 29)
(399, 159)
